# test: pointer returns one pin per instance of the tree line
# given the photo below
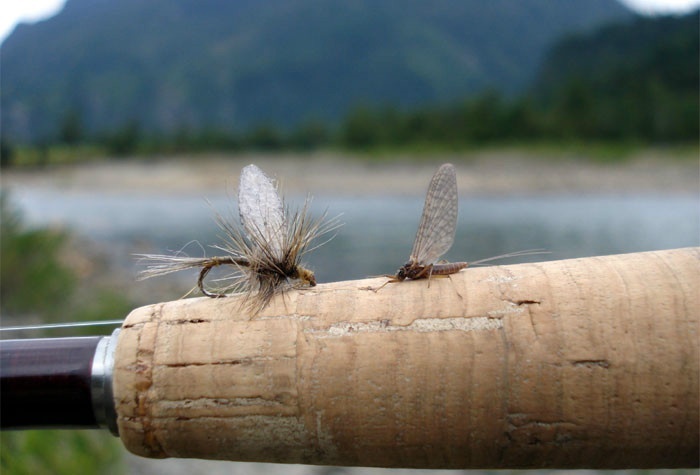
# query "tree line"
(643, 110)
(627, 83)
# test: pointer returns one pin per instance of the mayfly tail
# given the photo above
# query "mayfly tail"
(528, 252)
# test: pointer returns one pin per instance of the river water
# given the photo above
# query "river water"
(378, 231)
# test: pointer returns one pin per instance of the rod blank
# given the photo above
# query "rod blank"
(45, 383)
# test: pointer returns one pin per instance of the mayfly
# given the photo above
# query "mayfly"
(265, 254)
(436, 232)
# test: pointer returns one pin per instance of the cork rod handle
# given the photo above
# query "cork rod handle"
(583, 363)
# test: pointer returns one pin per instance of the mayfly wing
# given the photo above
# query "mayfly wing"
(262, 211)
(436, 231)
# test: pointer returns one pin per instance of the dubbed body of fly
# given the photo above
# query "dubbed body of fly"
(436, 232)
(265, 251)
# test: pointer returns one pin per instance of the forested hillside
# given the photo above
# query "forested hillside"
(633, 80)
(168, 65)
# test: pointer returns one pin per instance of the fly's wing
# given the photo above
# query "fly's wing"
(436, 230)
(262, 211)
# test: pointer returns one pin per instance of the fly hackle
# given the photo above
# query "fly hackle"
(163, 264)
(273, 238)
(265, 249)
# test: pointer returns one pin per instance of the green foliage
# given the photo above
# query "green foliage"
(32, 278)
(7, 153)
(43, 154)
(362, 128)
(309, 135)
(59, 452)
(71, 129)
(264, 137)
(636, 81)
(604, 87)
(125, 140)
(102, 304)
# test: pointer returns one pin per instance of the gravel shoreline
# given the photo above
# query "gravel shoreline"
(500, 172)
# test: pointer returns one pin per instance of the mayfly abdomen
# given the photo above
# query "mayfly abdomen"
(448, 268)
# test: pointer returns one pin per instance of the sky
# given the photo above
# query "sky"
(13, 12)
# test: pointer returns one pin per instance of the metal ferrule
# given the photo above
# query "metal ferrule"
(101, 383)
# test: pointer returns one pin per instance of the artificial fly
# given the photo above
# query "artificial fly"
(265, 251)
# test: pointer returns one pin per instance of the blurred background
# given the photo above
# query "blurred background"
(573, 126)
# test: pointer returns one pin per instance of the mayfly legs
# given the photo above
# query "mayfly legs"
(436, 232)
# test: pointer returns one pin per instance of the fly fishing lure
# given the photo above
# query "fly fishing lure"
(436, 232)
(265, 254)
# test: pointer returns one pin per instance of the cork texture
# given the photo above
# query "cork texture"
(583, 363)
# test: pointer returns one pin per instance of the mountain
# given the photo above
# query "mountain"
(174, 64)
(636, 79)
(664, 47)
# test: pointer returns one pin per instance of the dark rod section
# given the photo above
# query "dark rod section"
(45, 383)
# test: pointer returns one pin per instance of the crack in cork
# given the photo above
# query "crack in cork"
(205, 402)
(421, 325)
(229, 362)
(605, 364)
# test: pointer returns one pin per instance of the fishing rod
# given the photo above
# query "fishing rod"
(57, 382)
(265, 252)
(560, 364)
(580, 363)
